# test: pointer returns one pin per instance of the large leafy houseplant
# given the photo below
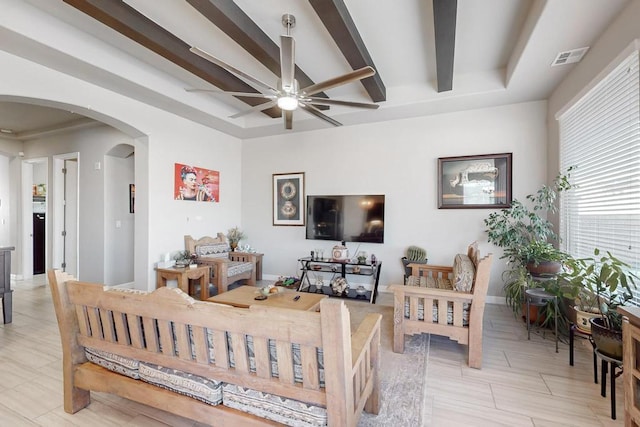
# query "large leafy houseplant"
(524, 234)
(607, 280)
(523, 230)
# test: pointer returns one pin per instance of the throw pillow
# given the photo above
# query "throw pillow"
(463, 273)
(214, 250)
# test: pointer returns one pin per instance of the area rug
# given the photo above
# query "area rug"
(402, 376)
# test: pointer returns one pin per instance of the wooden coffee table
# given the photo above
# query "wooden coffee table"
(244, 296)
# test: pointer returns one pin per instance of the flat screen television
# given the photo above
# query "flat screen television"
(349, 218)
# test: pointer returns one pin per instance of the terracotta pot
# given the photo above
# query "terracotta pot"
(607, 341)
(544, 268)
(535, 317)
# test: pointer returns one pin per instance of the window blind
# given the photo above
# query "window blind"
(600, 135)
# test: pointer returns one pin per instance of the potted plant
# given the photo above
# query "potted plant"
(414, 255)
(542, 259)
(182, 259)
(524, 234)
(523, 230)
(612, 283)
(235, 235)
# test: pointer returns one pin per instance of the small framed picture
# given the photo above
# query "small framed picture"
(132, 198)
(288, 198)
(469, 182)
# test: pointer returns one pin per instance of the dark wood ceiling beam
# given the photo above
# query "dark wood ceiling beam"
(444, 23)
(336, 18)
(129, 22)
(227, 16)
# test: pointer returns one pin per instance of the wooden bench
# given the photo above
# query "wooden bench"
(449, 322)
(168, 328)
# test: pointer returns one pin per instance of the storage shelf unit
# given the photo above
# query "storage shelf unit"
(329, 269)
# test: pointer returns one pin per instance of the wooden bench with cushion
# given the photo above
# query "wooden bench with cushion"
(226, 266)
(461, 289)
(216, 364)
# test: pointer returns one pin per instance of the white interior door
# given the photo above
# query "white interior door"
(27, 219)
(65, 213)
(70, 236)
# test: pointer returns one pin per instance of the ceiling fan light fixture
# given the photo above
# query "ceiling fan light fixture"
(288, 103)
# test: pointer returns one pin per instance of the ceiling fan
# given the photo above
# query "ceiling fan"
(287, 95)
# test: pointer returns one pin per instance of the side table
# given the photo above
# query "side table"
(183, 276)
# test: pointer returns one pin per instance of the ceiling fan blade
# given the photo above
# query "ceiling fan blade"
(201, 53)
(287, 63)
(338, 81)
(255, 108)
(241, 94)
(325, 101)
(288, 119)
(315, 112)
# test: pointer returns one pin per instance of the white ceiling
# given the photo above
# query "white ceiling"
(504, 50)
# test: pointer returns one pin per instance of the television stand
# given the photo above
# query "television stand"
(317, 275)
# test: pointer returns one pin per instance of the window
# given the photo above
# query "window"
(600, 135)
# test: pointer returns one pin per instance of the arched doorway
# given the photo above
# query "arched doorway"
(137, 244)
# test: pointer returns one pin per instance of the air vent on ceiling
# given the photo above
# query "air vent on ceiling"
(570, 56)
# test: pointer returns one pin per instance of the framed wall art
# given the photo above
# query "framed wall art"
(194, 183)
(132, 198)
(288, 198)
(469, 182)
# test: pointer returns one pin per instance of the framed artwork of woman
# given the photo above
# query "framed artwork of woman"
(197, 184)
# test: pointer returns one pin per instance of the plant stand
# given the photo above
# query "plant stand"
(539, 297)
(573, 329)
(613, 364)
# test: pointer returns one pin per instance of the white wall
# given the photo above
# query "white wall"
(160, 139)
(622, 31)
(398, 159)
(92, 144)
(9, 180)
(119, 224)
(4, 201)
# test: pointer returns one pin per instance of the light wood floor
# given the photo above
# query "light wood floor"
(522, 383)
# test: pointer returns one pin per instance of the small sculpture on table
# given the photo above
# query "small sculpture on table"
(289, 282)
(340, 286)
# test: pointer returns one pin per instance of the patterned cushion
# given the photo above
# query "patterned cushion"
(429, 282)
(200, 388)
(265, 405)
(238, 267)
(113, 362)
(463, 273)
(273, 358)
(214, 250)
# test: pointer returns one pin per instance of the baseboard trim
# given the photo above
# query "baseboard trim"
(496, 300)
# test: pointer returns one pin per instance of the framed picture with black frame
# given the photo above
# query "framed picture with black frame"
(132, 198)
(288, 198)
(472, 182)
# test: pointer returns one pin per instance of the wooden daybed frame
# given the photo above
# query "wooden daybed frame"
(153, 327)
